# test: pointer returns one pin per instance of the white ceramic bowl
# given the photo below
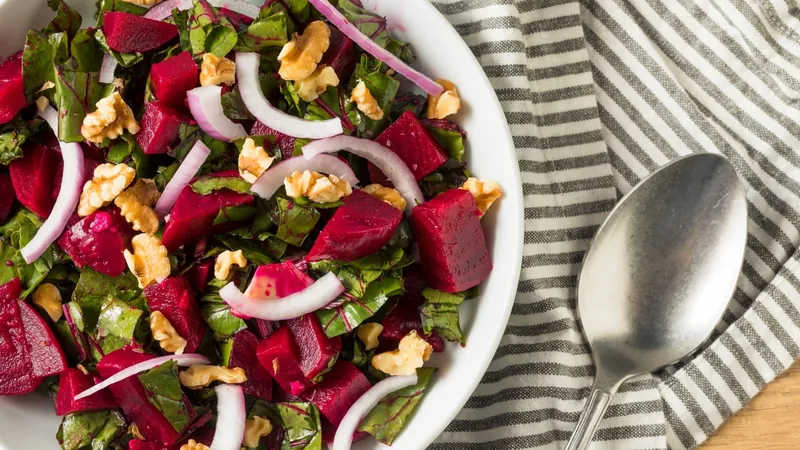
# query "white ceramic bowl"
(30, 422)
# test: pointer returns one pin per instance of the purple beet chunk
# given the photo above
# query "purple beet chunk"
(414, 144)
(160, 127)
(172, 77)
(285, 142)
(279, 354)
(174, 298)
(71, 383)
(16, 368)
(243, 354)
(318, 352)
(341, 54)
(359, 228)
(452, 246)
(278, 280)
(12, 88)
(98, 241)
(132, 398)
(193, 215)
(7, 198)
(129, 33)
(337, 392)
(46, 355)
(32, 177)
(200, 274)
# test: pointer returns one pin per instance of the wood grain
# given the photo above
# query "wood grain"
(770, 422)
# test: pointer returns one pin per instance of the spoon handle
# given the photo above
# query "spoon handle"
(590, 419)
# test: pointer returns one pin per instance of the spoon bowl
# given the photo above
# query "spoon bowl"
(659, 274)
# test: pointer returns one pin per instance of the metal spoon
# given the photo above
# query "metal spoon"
(659, 275)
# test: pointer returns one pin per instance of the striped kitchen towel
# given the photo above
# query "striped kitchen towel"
(599, 93)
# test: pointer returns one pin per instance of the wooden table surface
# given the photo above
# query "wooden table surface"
(770, 422)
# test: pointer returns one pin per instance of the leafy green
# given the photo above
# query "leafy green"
(451, 174)
(401, 49)
(388, 417)
(217, 313)
(76, 96)
(302, 424)
(86, 51)
(257, 252)
(164, 391)
(14, 235)
(372, 25)
(92, 283)
(392, 258)
(451, 140)
(66, 20)
(39, 58)
(234, 214)
(382, 87)
(105, 6)
(92, 430)
(207, 185)
(407, 102)
(298, 10)
(210, 31)
(233, 106)
(295, 222)
(271, 31)
(331, 104)
(13, 135)
(117, 324)
(440, 313)
(86, 311)
(124, 59)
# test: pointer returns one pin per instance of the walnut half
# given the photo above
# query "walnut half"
(484, 191)
(166, 335)
(388, 195)
(410, 355)
(136, 205)
(445, 104)
(200, 376)
(311, 87)
(300, 56)
(316, 186)
(149, 260)
(109, 120)
(365, 102)
(48, 297)
(194, 445)
(226, 261)
(108, 182)
(215, 71)
(254, 430)
(253, 161)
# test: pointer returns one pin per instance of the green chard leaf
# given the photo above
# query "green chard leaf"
(234, 214)
(331, 104)
(388, 417)
(13, 135)
(92, 430)
(299, 11)
(450, 135)
(118, 324)
(124, 59)
(233, 106)
(92, 283)
(440, 313)
(164, 391)
(257, 252)
(207, 185)
(271, 31)
(383, 87)
(302, 424)
(86, 51)
(217, 313)
(15, 234)
(39, 57)
(210, 31)
(295, 222)
(450, 175)
(407, 102)
(76, 96)
(372, 25)
(67, 19)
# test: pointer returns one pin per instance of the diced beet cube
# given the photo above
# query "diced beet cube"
(71, 383)
(337, 392)
(46, 355)
(200, 274)
(359, 228)
(243, 354)
(12, 88)
(7, 198)
(129, 33)
(318, 352)
(172, 77)
(278, 280)
(138, 444)
(132, 397)
(414, 144)
(174, 298)
(279, 354)
(285, 142)
(88, 173)
(98, 241)
(16, 368)
(193, 215)
(33, 176)
(452, 246)
(161, 125)
(341, 54)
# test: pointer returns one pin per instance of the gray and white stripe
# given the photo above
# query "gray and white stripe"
(598, 94)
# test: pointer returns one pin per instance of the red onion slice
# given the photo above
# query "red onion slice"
(270, 181)
(340, 21)
(186, 360)
(186, 171)
(231, 418)
(344, 434)
(247, 75)
(71, 184)
(107, 68)
(392, 166)
(205, 103)
(310, 299)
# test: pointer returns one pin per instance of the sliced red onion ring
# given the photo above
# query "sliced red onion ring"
(310, 299)
(186, 171)
(186, 360)
(270, 181)
(205, 103)
(71, 184)
(231, 418)
(247, 75)
(369, 46)
(392, 166)
(107, 68)
(344, 434)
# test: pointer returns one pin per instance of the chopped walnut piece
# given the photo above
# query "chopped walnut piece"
(111, 118)
(365, 102)
(300, 56)
(166, 335)
(149, 260)
(253, 161)
(312, 86)
(194, 445)
(143, 2)
(42, 103)
(226, 261)
(215, 71)
(445, 104)
(254, 430)
(48, 297)
(316, 186)
(108, 182)
(368, 333)
(410, 355)
(388, 195)
(484, 191)
(46, 86)
(200, 376)
(133, 430)
(136, 205)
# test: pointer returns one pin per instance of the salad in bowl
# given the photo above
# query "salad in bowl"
(229, 226)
